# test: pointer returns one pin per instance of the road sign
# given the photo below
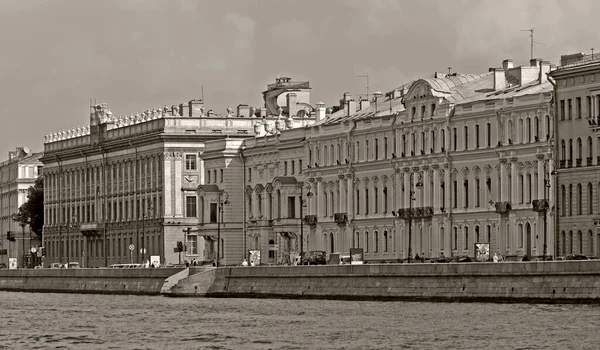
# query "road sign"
(131, 247)
(33, 250)
(142, 250)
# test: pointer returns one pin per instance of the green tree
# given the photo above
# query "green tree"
(32, 212)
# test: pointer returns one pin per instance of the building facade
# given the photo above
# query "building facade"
(428, 169)
(123, 189)
(17, 174)
(577, 95)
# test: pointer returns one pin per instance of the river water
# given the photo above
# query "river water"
(78, 321)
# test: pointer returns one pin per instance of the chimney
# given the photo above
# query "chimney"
(184, 110)
(292, 106)
(350, 107)
(243, 111)
(195, 106)
(499, 79)
(534, 62)
(545, 67)
(507, 64)
(363, 104)
(320, 112)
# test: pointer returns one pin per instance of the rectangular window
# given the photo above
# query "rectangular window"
(466, 137)
(366, 202)
(385, 147)
(366, 150)
(208, 177)
(477, 136)
(376, 204)
(285, 168)
(432, 109)
(385, 200)
(292, 170)
(213, 213)
(190, 162)
(249, 174)
(570, 109)
(589, 105)
(466, 185)
(192, 244)
(356, 202)
(190, 206)
(221, 175)
(562, 109)
(466, 237)
(291, 207)
(477, 193)
(489, 134)
(578, 107)
(454, 194)
(357, 151)
(376, 149)
(300, 166)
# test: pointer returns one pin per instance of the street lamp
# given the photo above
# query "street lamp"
(222, 202)
(302, 205)
(72, 225)
(410, 214)
(143, 248)
(546, 207)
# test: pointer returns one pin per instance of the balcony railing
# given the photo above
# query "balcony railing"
(310, 220)
(578, 162)
(563, 164)
(569, 163)
(415, 213)
(540, 205)
(340, 218)
(503, 207)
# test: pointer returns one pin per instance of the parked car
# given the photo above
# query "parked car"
(55, 265)
(573, 257)
(315, 257)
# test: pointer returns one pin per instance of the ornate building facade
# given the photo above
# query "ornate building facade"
(122, 189)
(577, 94)
(432, 167)
(17, 174)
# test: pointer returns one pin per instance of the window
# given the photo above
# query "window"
(385, 147)
(578, 107)
(385, 241)
(292, 170)
(366, 201)
(570, 110)
(215, 175)
(213, 213)
(325, 160)
(521, 189)
(477, 136)
(376, 149)
(325, 204)
(477, 234)
(367, 150)
(529, 188)
(589, 105)
(208, 177)
(454, 138)
(455, 240)
(466, 137)
(455, 194)
(423, 111)
(221, 175)
(570, 200)
(190, 162)
(291, 207)
(285, 165)
(477, 193)
(376, 236)
(590, 198)
(489, 134)
(376, 206)
(520, 237)
(357, 151)
(357, 202)
(190, 207)
(385, 200)
(562, 109)
(466, 238)
(466, 185)
(432, 109)
(579, 200)
(249, 174)
(423, 142)
(192, 244)
(300, 166)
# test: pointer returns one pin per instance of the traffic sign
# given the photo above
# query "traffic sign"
(142, 250)
(131, 247)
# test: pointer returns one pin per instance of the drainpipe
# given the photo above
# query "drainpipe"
(243, 161)
(134, 206)
(556, 194)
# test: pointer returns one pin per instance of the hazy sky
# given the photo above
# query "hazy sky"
(140, 54)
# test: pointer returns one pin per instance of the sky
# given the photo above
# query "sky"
(135, 55)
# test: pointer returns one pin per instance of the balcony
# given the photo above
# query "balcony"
(562, 164)
(540, 205)
(415, 213)
(503, 207)
(310, 220)
(340, 218)
(92, 229)
(287, 224)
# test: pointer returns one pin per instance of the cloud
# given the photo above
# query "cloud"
(244, 27)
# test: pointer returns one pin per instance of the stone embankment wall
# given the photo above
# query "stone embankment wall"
(559, 281)
(99, 281)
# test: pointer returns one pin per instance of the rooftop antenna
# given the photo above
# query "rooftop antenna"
(592, 53)
(532, 41)
(366, 76)
(203, 93)
(449, 70)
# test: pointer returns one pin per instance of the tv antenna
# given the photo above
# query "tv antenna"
(366, 76)
(532, 41)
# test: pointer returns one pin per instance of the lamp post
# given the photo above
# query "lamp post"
(546, 207)
(143, 248)
(302, 205)
(72, 225)
(410, 214)
(222, 202)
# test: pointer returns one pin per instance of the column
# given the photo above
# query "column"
(167, 188)
(436, 189)
(177, 184)
(350, 197)
(447, 188)
(541, 176)
(426, 189)
(407, 188)
(340, 200)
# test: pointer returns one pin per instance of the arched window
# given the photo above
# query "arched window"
(325, 206)
(331, 156)
(570, 200)
(590, 150)
(441, 238)
(563, 150)
(455, 240)
(477, 234)
(579, 200)
(570, 152)
(528, 130)
(520, 235)
(591, 242)
(433, 141)
(488, 229)
(271, 251)
(259, 200)
(357, 243)
(385, 241)
(331, 243)
(563, 200)
(579, 151)
(570, 242)
(376, 236)
(466, 137)
(385, 147)
(466, 238)
(366, 241)
(521, 189)
(580, 241)
(590, 198)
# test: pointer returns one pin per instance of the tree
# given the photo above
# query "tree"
(32, 212)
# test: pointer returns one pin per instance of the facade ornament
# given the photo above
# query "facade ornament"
(257, 128)
(202, 109)
(229, 112)
(268, 127)
(279, 124)
(252, 112)
(280, 110)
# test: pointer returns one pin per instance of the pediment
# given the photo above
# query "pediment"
(418, 91)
